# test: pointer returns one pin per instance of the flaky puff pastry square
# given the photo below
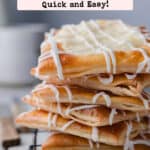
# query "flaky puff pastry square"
(91, 115)
(77, 95)
(58, 141)
(92, 47)
(119, 84)
(111, 135)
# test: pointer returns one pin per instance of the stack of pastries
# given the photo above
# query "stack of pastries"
(92, 92)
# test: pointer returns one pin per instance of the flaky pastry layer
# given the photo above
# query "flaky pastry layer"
(112, 135)
(120, 85)
(79, 65)
(84, 114)
(58, 141)
(79, 95)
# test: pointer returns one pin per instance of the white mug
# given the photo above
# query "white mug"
(19, 48)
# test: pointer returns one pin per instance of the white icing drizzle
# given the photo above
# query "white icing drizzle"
(69, 123)
(111, 116)
(53, 53)
(113, 58)
(105, 80)
(50, 86)
(141, 66)
(43, 43)
(67, 110)
(117, 42)
(56, 92)
(75, 33)
(54, 119)
(128, 31)
(49, 120)
(82, 107)
(108, 63)
(146, 60)
(44, 56)
(37, 103)
(146, 57)
(102, 32)
(69, 93)
(102, 48)
(106, 54)
(91, 34)
(59, 108)
(145, 102)
(138, 117)
(130, 76)
(128, 144)
(54, 89)
(42, 77)
(46, 35)
(139, 141)
(47, 54)
(106, 98)
(95, 136)
(105, 50)
(122, 24)
(91, 143)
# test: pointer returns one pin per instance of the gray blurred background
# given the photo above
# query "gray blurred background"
(140, 15)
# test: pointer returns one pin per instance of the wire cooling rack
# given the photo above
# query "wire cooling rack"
(35, 141)
(34, 146)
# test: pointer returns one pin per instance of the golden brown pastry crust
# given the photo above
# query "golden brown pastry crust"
(121, 85)
(112, 135)
(85, 96)
(66, 141)
(80, 64)
(97, 116)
